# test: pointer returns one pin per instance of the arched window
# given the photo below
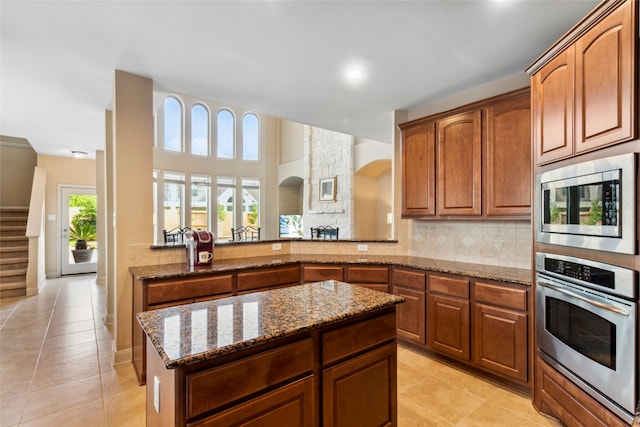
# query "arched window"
(199, 130)
(250, 137)
(226, 134)
(172, 124)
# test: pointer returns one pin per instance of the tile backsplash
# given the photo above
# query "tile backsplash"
(503, 243)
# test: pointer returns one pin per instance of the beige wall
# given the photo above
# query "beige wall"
(291, 141)
(61, 171)
(17, 163)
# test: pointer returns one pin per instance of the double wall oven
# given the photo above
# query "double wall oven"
(587, 311)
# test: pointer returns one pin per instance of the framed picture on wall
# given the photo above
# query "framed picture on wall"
(328, 189)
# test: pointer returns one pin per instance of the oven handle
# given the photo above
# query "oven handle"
(585, 299)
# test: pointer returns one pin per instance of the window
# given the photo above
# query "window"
(200, 195)
(250, 137)
(173, 200)
(199, 130)
(226, 134)
(226, 208)
(251, 202)
(172, 124)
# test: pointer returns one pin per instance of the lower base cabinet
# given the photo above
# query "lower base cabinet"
(358, 392)
(558, 396)
(342, 374)
(448, 327)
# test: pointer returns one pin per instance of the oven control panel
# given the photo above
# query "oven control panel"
(609, 278)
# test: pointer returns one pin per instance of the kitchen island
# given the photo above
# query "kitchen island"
(322, 353)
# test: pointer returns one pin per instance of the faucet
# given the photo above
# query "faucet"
(190, 245)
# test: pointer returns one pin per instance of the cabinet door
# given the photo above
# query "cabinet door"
(459, 148)
(500, 341)
(291, 405)
(552, 96)
(361, 391)
(508, 163)
(418, 171)
(448, 326)
(605, 82)
(411, 315)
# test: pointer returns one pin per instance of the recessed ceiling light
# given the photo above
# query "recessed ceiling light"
(79, 154)
(354, 74)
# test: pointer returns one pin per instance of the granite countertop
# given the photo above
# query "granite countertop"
(481, 271)
(187, 334)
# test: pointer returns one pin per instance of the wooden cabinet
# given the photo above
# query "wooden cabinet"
(501, 330)
(584, 97)
(372, 277)
(558, 396)
(552, 94)
(459, 147)
(361, 391)
(448, 310)
(268, 278)
(341, 374)
(159, 294)
(320, 272)
(418, 171)
(473, 162)
(410, 284)
(508, 159)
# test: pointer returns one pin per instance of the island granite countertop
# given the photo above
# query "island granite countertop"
(480, 271)
(188, 334)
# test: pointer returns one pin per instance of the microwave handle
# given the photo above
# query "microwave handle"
(585, 299)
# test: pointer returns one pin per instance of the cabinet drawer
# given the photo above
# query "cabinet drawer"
(218, 386)
(291, 405)
(352, 339)
(158, 293)
(367, 275)
(488, 293)
(316, 273)
(268, 278)
(409, 279)
(449, 286)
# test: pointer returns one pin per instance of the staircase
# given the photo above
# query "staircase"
(14, 252)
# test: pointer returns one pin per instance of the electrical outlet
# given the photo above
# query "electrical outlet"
(276, 247)
(156, 394)
(363, 248)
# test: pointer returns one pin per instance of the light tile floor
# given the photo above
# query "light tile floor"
(56, 370)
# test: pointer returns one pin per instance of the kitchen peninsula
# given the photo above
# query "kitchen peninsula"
(290, 356)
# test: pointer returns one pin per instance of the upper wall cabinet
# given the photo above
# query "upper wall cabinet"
(471, 162)
(459, 148)
(508, 159)
(418, 172)
(583, 88)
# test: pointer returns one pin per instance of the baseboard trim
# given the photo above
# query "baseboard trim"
(121, 356)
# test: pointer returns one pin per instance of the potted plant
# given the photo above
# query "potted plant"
(82, 233)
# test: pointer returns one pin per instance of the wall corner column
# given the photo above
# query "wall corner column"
(131, 180)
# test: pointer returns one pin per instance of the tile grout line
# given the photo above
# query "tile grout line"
(95, 335)
(44, 338)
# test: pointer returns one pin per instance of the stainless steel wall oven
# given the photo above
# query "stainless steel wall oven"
(589, 205)
(586, 327)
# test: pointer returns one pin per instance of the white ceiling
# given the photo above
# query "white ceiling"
(282, 58)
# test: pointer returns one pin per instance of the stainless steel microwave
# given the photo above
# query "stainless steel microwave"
(589, 205)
